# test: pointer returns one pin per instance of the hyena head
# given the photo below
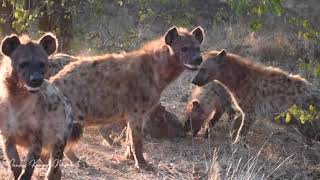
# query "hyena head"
(210, 69)
(194, 117)
(186, 45)
(29, 60)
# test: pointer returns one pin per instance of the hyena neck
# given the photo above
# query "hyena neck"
(233, 78)
(168, 69)
(165, 63)
(15, 88)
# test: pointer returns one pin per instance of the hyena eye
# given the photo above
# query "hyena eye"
(41, 65)
(184, 49)
(202, 70)
(23, 65)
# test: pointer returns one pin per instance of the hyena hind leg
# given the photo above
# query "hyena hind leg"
(213, 121)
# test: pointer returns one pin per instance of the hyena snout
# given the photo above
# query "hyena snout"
(201, 78)
(197, 60)
(35, 80)
(198, 81)
(192, 126)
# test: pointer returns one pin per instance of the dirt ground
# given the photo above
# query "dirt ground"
(270, 151)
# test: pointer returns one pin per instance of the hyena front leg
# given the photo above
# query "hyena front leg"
(73, 159)
(34, 152)
(129, 154)
(12, 157)
(238, 120)
(136, 138)
(215, 118)
(242, 125)
(54, 171)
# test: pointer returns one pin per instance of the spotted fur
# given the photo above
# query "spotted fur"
(38, 118)
(113, 87)
(262, 92)
(210, 102)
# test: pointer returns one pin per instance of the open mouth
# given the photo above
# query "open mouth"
(191, 67)
(32, 89)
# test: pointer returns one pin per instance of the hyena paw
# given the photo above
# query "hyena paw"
(82, 164)
(54, 175)
(144, 166)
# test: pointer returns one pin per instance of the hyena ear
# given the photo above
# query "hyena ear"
(9, 44)
(222, 53)
(198, 33)
(171, 35)
(49, 43)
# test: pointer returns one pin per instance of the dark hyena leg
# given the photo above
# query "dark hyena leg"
(238, 120)
(73, 159)
(215, 118)
(135, 135)
(44, 158)
(34, 152)
(242, 126)
(54, 171)
(12, 157)
(129, 154)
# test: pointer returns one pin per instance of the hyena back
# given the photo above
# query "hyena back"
(210, 102)
(114, 87)
(33, 113)
(261, 92)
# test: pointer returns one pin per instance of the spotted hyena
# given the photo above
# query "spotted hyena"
(33, 113)
(113, 87)
(210, 102)
(57, 62)
(261, 92)
(158, 124)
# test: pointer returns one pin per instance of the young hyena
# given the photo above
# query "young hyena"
(57, 62)
(261, 92)
(33, 113)
(114, 87)
(210, 102)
